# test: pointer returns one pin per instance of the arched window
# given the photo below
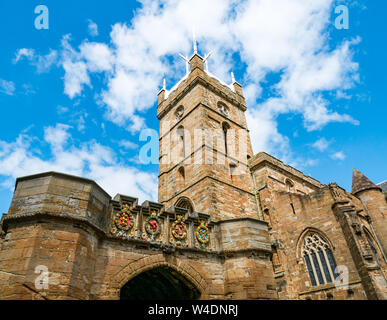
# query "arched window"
(180, 132)
(318, 259)
(225, 127)
(184, 203)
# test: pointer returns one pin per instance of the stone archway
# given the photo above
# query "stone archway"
(185, 272)
(160, 283)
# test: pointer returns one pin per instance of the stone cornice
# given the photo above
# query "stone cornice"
(32, 217)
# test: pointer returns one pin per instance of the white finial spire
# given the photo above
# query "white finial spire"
(164, 84)
(194, 42)
(185, 58)
(232, 77)
(206, 59)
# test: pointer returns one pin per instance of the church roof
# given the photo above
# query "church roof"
(360, 182)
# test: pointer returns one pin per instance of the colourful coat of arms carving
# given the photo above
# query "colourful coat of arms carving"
(179, 232)
(202, 233)
(123, 222)
(153, 224)
(179, 229)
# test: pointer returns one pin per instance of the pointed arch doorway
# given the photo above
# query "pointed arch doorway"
(160, 283)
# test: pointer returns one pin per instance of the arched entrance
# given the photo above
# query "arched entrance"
(161, 283)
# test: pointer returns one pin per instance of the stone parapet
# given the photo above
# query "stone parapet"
(243, 234)
(61, 195)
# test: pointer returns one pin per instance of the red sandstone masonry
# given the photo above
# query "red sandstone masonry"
(257, 221)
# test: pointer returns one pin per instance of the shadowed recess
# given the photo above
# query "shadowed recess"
(161, 283)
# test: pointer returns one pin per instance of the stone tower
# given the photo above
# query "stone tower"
(228, 224)
(202, 240)
(374, 203)
(204, 146)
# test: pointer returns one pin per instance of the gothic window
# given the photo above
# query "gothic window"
(222, 109)
(225, 127)
(179, 113)
(318, 259)
(185, 204)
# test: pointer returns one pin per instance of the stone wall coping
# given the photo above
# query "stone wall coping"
(242, 219)
(185, 86)
(122, 197)
(151, 204)
(262, 158)
(61, 175)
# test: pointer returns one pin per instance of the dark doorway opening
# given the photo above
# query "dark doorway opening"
(162, 283)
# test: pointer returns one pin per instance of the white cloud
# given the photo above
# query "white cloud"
(75, 78)
(98, 56)
(24, 52)
(92, 28)
(61, 109)
(81, 124)
(7, 87)
(76, 73)
(338, 155)
(128, 144)
(321, 144)
(42, 63)
(287, 38)
(28, 89)
(89, 159)
(57, 136)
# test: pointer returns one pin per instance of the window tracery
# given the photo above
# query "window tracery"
(318, 259)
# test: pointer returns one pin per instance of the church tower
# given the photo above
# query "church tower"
(205, 145)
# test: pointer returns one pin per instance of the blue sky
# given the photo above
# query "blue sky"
(75, 97)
